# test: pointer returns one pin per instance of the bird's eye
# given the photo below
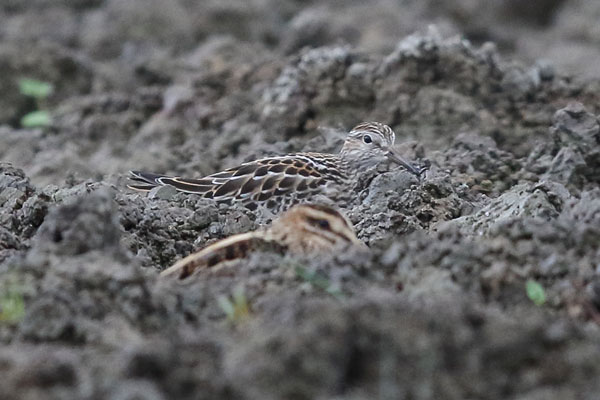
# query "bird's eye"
(367, 139)
(319, 222)
(323, 224)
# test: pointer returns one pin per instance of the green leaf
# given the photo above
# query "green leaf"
(227, 307)
(36, 119)
(238, 309)
(12, 306)
(34, 88)
(318, 281)
(535, 292)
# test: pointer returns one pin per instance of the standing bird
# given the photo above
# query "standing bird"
(303, 229)
(277, 183)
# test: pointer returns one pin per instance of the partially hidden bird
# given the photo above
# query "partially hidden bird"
(306, 229)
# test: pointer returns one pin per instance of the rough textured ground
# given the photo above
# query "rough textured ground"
(439, 309)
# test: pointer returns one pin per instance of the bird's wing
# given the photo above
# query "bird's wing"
(255, 181)
(231, 248)
(145, 181)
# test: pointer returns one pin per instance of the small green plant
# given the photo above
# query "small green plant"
(12, 304)
(318, 281)
(39, 91)
(535, 292)
(33, 88)
(36, 119)
(236, 307)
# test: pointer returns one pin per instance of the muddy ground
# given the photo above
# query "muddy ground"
(502, 100)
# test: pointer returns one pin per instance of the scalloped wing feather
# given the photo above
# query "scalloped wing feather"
(255, 181)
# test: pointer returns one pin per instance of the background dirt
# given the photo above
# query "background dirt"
(502, 99)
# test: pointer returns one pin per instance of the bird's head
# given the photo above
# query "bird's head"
(315, 227)
(371, 143)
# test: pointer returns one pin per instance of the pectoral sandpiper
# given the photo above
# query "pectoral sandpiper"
(303, 229)
(277, 183)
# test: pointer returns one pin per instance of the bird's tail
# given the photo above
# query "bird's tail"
(144, 181)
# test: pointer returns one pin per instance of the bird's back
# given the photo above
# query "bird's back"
(229, 249)
(275, 183)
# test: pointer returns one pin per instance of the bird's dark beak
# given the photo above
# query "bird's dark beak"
(393, 155)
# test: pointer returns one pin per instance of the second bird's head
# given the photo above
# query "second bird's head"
(315, 228)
